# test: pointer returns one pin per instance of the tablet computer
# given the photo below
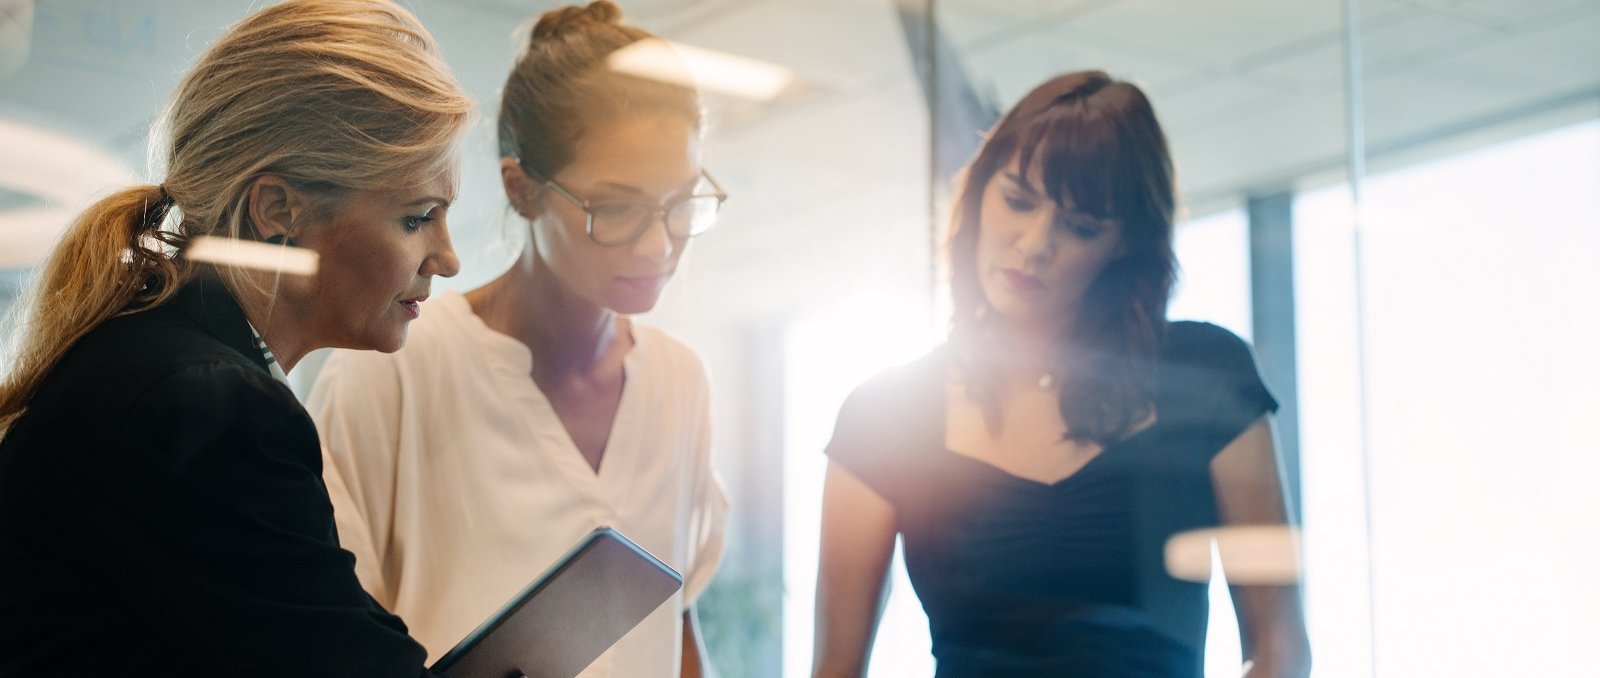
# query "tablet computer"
(569, 615)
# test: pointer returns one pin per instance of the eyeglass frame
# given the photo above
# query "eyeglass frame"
(657, 211)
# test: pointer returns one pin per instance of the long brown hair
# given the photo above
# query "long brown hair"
(334, 96)
(1101, 149)
(561, 87)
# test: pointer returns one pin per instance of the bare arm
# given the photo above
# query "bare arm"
(858, 532)
(695, 662)
(1249, 490)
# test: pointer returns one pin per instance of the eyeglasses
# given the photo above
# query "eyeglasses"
(615, 223)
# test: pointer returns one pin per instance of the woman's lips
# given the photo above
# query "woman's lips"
(1022, 282)
(643, 284)
(413, 306)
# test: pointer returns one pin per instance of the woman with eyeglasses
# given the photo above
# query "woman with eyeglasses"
(532, 410)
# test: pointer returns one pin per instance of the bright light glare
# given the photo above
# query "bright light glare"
(247, 254)
(1252, 555)
(826, 355)
(708, 70)
(64, 172)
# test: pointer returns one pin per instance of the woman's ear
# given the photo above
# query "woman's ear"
(275, 208)
(520, 188)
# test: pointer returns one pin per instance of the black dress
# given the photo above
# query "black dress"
(1021, 578)
(162, 513)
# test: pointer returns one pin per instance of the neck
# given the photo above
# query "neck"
(563, 331)
(283, 333)
(1024, 352)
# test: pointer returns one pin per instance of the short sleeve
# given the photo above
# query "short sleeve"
(708, 520)
(883, 420)
(1211, 383)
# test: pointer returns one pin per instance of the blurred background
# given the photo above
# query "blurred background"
(1396, 201)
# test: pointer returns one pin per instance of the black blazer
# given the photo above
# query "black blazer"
(162, 513)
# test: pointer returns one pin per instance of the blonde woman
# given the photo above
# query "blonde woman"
(162, 511)
(534, 409)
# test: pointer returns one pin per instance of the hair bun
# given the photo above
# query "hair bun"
(558, 22)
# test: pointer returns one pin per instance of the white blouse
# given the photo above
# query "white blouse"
(455, 483)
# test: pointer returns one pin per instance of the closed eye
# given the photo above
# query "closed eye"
(1020, 204)
(1083, 228)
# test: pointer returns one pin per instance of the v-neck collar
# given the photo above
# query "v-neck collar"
(941, 438)
(512, 364)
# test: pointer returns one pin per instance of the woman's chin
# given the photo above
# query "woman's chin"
(386, 342)
(633, 304)
(396, 342)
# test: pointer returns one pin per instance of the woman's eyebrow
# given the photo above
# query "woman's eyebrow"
(445, 202)
(635, 190)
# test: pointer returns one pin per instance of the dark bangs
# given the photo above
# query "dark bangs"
(1098, 143)
(1079, 157)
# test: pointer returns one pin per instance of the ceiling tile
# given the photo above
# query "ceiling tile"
(1214, 32)
(1418, 38)
(1017, 66)
(1219, 97)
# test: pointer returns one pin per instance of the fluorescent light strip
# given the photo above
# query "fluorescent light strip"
(58, 168)
(706, 69)
(27, 234)
(249, 254)
(64, 172)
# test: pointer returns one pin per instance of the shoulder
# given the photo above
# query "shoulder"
(1209, 378)
(1197, 346)
(898, 385)
(666, 347)
(118, 362)
(898, 396)
(664, 351)
(147, 395)
(1188, 339)
(209, 392)
(883, 424)
(211, 412)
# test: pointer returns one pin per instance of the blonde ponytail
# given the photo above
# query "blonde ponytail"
(104, 265)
